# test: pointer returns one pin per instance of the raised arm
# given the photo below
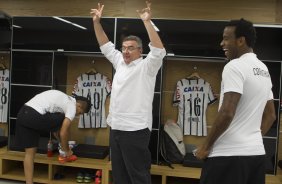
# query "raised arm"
(99, 31)
(145, 14)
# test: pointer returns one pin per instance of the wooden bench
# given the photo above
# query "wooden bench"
(45, 168)
(11, 167)
(178, 171)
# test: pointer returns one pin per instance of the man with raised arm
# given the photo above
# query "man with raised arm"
(130, 116)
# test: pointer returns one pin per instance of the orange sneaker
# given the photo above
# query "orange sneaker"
(71, 158)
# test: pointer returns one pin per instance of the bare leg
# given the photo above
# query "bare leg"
(29, 164)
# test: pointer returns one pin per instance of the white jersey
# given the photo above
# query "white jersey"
(249, 77)
(95, 87)
(4, 92)
(192, 96)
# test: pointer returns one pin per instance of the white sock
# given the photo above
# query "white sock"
(62, 153)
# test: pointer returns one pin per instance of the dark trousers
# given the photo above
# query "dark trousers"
(130, 156)
(234, 170)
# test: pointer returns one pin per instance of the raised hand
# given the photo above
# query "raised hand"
(145, 14)
(97, 13)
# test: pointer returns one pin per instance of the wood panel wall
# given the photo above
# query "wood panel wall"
(258, 11)
(278, 11)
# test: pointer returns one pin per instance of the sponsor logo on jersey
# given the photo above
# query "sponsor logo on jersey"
(194, 88)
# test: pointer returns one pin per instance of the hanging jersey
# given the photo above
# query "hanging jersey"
(4, 92)
(192, 96)
(95, 87)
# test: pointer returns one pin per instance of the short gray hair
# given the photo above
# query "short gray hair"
(134, 38)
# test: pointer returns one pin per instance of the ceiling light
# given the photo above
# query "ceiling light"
(155, 27)
(15, 26)
(69, 22)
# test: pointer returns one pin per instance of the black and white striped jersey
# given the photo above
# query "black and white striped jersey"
(192, 96)
(95, 87)
(4, 92)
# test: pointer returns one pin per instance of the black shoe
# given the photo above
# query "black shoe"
(88, 178)
(80, 177)
(58, 176)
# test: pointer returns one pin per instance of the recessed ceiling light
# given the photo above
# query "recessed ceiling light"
(69, 22)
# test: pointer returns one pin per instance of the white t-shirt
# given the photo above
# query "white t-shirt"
(192, 96)
(95, 87)
(132, 88)
(250, 77)
(54, 101)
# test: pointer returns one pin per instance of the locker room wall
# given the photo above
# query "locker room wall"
(258, 11)
(173, 71)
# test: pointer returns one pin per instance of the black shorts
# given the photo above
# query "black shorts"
(31, 124)
(234, 170)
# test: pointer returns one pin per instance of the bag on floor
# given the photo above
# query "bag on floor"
(172, 148)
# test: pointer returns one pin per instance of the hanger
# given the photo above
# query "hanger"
(194, 75)
(92, 70)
